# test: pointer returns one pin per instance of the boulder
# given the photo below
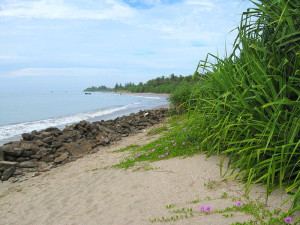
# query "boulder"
(77, 148)
(28, 164)
(61, 158)
(48, 158)
(14, 152)
(1, 155)
(48, 139)
(27, 137)
(6, 164)
(102, 139)
(7, 173)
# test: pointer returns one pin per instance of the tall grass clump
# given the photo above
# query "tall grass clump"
(249, 106)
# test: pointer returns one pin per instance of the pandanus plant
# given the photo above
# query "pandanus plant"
(248, 107)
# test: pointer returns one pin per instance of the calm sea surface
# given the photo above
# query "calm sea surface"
(24, 112)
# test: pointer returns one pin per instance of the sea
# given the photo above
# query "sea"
(24, 112)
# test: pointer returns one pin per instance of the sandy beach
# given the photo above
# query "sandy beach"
(88, 191)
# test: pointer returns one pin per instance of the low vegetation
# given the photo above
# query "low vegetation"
(245, 106)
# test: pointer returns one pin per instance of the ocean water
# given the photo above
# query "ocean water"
(24, 112)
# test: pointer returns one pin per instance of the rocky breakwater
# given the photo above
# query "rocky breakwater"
(40, 151)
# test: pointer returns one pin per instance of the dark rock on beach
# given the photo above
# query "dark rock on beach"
(51, 147)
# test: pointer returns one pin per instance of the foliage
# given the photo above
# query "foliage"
(158, 85)
(248, 106)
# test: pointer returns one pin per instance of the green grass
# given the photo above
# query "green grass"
(248, 106)
(157, 130)
(256, 209)
(128, 148)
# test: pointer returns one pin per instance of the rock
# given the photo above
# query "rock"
(52, 130)
(1, 155)
(61, 158)
(43, 165)
(48, 158)
(56, 144)
(28, 164)
(45, 134)
(44, 151)
(35, 156)
(7, 164)
(48, 139)
(10, 151)
(17, 172)
(7, 173)
(77, 148)
(102, 140)
(22, 159)
(27, 153)
(27, 137)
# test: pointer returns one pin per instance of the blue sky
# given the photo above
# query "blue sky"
(72, 44)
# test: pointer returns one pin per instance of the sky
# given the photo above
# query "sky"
(68, 45)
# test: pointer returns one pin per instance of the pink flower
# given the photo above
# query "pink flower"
(167, 153)
(202, 207)
(239, 203)
(184, 129)
(183, 143)
(174, 144)
(288, 219)
(198, 147)
(147, 154)
(138, 156)
(207, 208)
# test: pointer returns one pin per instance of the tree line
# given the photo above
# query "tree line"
(163, 84)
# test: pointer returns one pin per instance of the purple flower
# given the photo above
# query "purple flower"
(138, 156)
(167, 153)
(158, 145)
(207, 208)
(172, 141)
(288, 219)
(239, 203)
(167, 148)
(183, 143)
(198, 147)
(202, 207)
(147, 154)
(174, 144)
(184, 128)
(166, 140)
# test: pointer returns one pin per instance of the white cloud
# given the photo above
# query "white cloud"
(200, 3)
(58, 9)
(7, 57)
(35, 72)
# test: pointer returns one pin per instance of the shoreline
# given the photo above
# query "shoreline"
(105, 114)
(90, 191)
(132, 93)
(40, 151)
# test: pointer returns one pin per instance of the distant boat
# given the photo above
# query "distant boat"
(87, 93)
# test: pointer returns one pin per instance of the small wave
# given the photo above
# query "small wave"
(140, 96)
(9, 131)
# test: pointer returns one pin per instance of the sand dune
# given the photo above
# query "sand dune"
(88, 191)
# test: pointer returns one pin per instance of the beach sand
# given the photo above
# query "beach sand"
(88, 191)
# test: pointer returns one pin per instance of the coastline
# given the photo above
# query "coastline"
(12, 132)
(39, 151)
(90, 191)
